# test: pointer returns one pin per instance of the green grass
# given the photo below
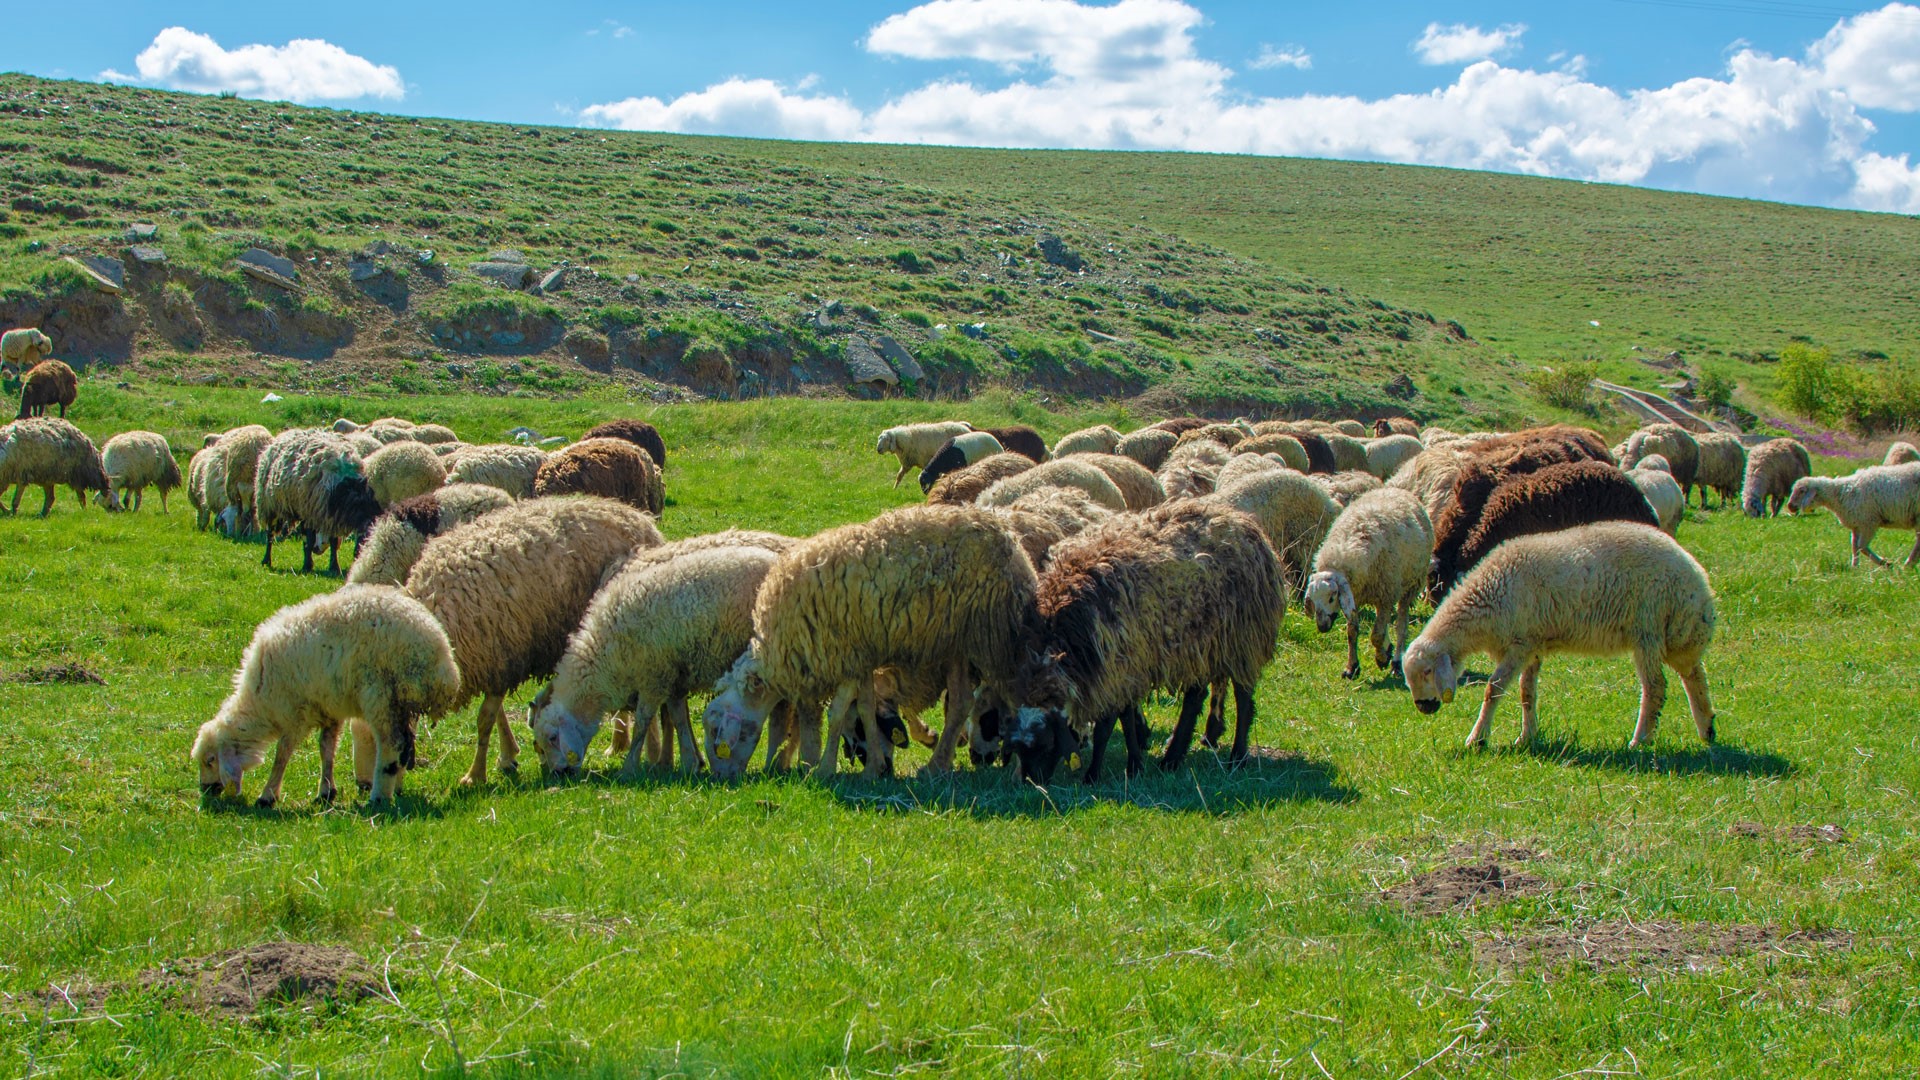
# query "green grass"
(1202, 924)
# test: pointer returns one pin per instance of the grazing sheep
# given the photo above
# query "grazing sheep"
(641, 434)
(448, 450)
(367, 653)
(1374, 555)
(45, 452)
(398, 536)
(399, 471)
(1180, 425)
(1491, 463)
(199, 469)
(1352, 429)
(1877, 497)
(916, 444)
(240, 453)
(1548, 500)
(1148, 446)
(1723, 465)
(1430, 436)
(24, 347)
(391, 429)
(344, 426)
(938, 591)
(310, 483)
(1175, 598)
(1074, 472)
(965, 485)
(1430, 477)
(1395, 425)
(1136, 482)
(1040, 519)
(1670, 441)
(654, 634)
(1595, 590)
(1286, 446)
(1662, 492)
(1247, 465)
(1347, 485)
(1349, 453)
(506, 466)
(610, 468)
(50, 382)
(957, 453)
(1099, 439)
(1226, 435)
(510, 586)
(364, 444)
(1655, 463)
(1320, 458)
(1022, 440)
(1189, 478)
(1773, 468)
(1901, 453)
(1385, 455)
(434, 434)
(136, 460)
(1293, 511)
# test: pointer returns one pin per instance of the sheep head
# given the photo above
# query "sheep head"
(1802, 497)
(1040, 740)
(1329, 596)
(222, 762)
(560, 735)
(735, 714)
(1430, 675)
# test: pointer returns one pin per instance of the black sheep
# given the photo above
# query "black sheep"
(1021, 440)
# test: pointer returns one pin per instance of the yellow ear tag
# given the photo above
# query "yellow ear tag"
(1073, 761)
(573, 758)
(899, 738)
(723, 751)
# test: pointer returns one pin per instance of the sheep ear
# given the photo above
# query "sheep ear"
(1347, 606)
(1443, 676)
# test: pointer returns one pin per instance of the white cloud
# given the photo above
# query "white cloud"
(1292, 56)
(1875, 57)
(1460, 44)
(1127, 76)
(304, 69)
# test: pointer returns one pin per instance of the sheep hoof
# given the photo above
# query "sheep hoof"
(326, 796)
(510, 769)
(468, 780)
(1351, 672)
(1710, 733)
(264, 803)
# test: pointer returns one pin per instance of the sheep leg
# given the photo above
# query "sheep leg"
(48, 508)
(1242, 721)
(779, 730)
(1174, 753)
(919, 732)
(1694, 679)
(307, 541)
(1133, 728)
(903, 472)
(363, 756)
(1914, 557)
(267, 559)
(622, 734)
(647, 746)
(1863, 545)
(1216, 716)
(1400, 631)
(839, 723)
(690, 759)
(808, 728)
(329, 748)
(879, 750)
(509, 746)
(333, 559)
(959, 703)
(1529, 717)
(282, 753)
(1496, 687)
(659, 750)
(389, 770)
(1102, 731)
(1382, 656)
(1653, 694)
(484, 737)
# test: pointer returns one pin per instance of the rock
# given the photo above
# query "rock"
(147, 253)
(504, 338)
(902, 360)
(456, 371)
(1108, 338)
(1400, 386)
(977, 331)
(362, 270)
(525, 436)
(821, 321)
(385, 247)
(510, 275)
(267, 260)
(554, 281)
(106, 274)
(142, 231)
(865, 366)
(553, 440)
(1056, 252)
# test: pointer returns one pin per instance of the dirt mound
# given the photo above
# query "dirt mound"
(1453, 887)
(1753, 830)
(240, 982)
(72, 674)
(1659, 946)
(1491, 851)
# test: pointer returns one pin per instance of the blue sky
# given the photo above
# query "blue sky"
(1801, 102)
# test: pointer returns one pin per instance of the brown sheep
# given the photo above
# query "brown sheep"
(1180, 425)
(612, 468)
(965, 485)
(49, 383)
(1395, 425)
(638, 432)
(1022, 440)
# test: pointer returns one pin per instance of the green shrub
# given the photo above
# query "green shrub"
(1569, 386)
(908, 261)
(1715, 388)
(1810, 384)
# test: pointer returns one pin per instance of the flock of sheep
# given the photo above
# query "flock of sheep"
(1042, 593)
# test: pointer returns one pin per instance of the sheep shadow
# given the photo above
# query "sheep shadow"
(410, 804)
(1720, 759)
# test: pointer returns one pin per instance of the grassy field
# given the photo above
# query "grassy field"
(1206, 923)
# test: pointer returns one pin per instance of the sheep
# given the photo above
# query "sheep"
(344, 426)
(1137, 484)
(448, 450)
(364, 444)
(398, 536)
(1247, 465)
(1662, 492)
(655, 633)
(399, 471)
(367, 653)
(509, 586)
(1226, 435)
(1174, 598)
(1550, 499)
(46, 452)
(942, 591)
(434, 434)
(24, 347)
(957, 453)
(390, 429)
(965, 485)
(1022, 440)
(1320, 457)
(1180, 425)
(1353, 429)
(240, 453)
(1293, 511)
(506, 466)
(1148, 446)
(1901, 453)
(1877, 497)
(1072, 472)
(310, 482)
(1773, 468)
(1670, 441)
(1430, 477)
(1654, 463)
(1289, 448)
(1385, 455)
(1431, 435)
(50, 382)
(916, 444)
(1040, 519)
(1395, 425)
(1593, 590)
(1347, 485)
(1349, 453)
(612, 468)
(1375, 555)
(135, 460)
(1099, 439)
(1486, 466)
(641, 434)
(199, 470)
(1723, 464)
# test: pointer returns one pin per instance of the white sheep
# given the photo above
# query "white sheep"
(24, 347)
(309, 482)
(1376, 555)
(240, 450)
(1073, 472)
(137, 460)
(1901, 453)
(366, 653)
(1099, 439)
(401, 533)
(1594, 590)
(1385, 455)
(45, 452)
(1293, 511)
(1723, 465)
(1773, 468)
(506, 466)
(1877, 497)
(915, 444)
(1662, 492)
(400, 470)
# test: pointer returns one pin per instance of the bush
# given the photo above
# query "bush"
(1810, 384)
(1715, 388)
(1884, 397)
(908, 261)
(1570, 386)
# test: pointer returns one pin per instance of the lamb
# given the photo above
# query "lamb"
(612, 468)
(1594, 590)
(1670, 441)
(1148, 446)
(1022, 440)
(1723, 465)
(46, 452)
(1385, 455)
(1074, 472)
(1901, 453)
(639, 433)
(367, 653)
(1347, 485)
(310, 482)
(934, 590)
(401, 470)
(957, 453)
(965, 485)
(240, 451)
(136, 460)
(509, 586)
(24, 347)
(916, 444)
(1395, 425)
(1099, 439)
(1773, 468)
(398, 536)
(1375, 555)
(1877, 497)
(1110, 604)
(654, 634)
(506, 466)
(1293, 512)
(50, 382)
(1553, 498)
(1137, 484)
(1662, 492)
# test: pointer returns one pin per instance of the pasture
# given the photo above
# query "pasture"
(1683, 910)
